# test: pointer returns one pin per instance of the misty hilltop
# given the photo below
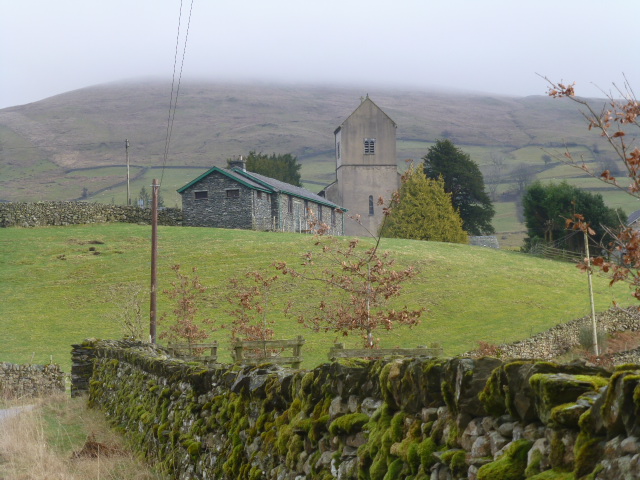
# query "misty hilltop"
(57, 148)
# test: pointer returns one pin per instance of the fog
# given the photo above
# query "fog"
(491, 46)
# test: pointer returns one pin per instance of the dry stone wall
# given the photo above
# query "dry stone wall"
(417, 419)
(39, 214)
(30, 380)
(563, 337)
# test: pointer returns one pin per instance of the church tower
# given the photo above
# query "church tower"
(366, 167)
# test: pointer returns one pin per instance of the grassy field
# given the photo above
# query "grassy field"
(54, 288)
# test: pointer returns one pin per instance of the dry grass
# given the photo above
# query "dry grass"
(44, 442)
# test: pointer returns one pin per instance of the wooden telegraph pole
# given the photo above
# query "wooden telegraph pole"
(126, 149)
(154, 260)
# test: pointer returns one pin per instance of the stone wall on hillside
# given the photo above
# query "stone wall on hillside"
(30, 380)
(417, 419)
(560, 339)
(39, 214)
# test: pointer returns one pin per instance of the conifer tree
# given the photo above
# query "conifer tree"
(422, 210)
(464, 181)
(283, 167)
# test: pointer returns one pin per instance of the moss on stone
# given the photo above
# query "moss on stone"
(396, 426)
(413, 458)
(588, 451)
(458, 464)
(307, 382)
(627, 367)
(554, 389)
(295, 447)
(378, 468)
(394, 471)
(384, 385)
(510, 466)
(533, 467)
(194, 449)
(553, 475)
(255, 473)
(492, 396)
(567, 415)
(426, 450)
(348, 424)
(447, 394)
(558, 451)
(452, 438)
(318, 428)
(232, 465)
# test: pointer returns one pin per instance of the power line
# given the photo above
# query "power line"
(174, 103)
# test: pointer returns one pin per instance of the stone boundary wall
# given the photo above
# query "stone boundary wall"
(416, 419)
(560, 339)
(30, 380)
(39, 214)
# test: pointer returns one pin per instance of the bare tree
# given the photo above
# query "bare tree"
(494, 176)
(188, 323)
(129, 298)
(523, 175)
(617, 122)
(357, 282)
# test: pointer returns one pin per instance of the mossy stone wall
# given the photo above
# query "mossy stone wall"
(411, 419)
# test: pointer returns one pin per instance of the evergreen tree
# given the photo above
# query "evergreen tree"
(464, 181)
(422, 210)
(547, 207)
(283, 167)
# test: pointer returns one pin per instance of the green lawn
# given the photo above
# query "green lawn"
(53, 288)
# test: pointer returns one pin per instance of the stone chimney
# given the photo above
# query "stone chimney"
(238, 163)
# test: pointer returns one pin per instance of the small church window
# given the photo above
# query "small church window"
(338, 150)
(201, 195)
(259, 194)
(369, 146)
(333, 217)
(233, 193)
(290, 204)
(371, 211)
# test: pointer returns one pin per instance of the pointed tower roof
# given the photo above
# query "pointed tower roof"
(363, 102)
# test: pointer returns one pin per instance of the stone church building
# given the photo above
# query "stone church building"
(366, 167)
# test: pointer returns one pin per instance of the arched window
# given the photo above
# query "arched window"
(369, 146)
(371, 212)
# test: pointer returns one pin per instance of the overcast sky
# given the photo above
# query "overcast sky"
(49, 47)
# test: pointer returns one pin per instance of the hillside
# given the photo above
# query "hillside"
(55, 148)
(55, 284)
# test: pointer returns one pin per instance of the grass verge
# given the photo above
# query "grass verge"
(39, 444)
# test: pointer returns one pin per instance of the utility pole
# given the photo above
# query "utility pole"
(126, 149)
(596, 350)
(154, 260)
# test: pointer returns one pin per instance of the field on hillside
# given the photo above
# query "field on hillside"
(56, 148)
(54, 287)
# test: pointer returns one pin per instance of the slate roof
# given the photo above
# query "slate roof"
(265, 184)
(633, 217)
